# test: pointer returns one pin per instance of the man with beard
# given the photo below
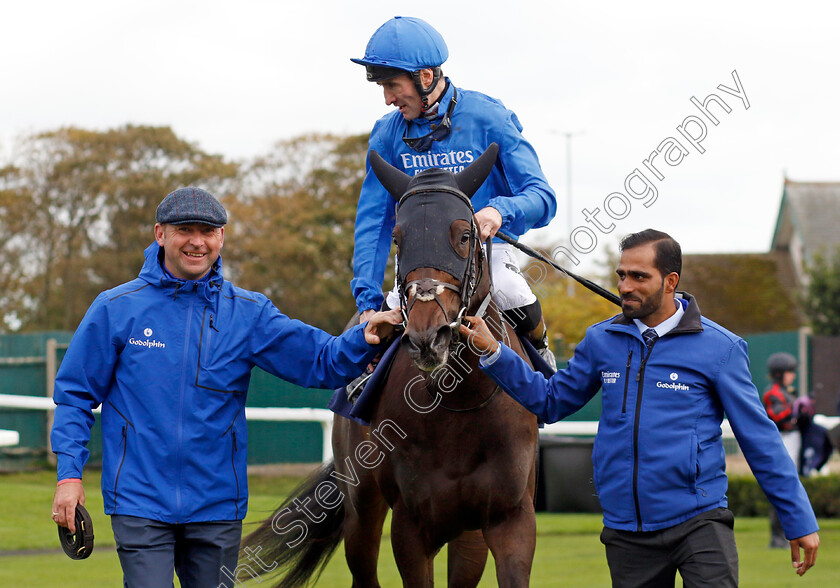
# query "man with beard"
(668, 375)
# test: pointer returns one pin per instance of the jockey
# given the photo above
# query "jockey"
(439, 125)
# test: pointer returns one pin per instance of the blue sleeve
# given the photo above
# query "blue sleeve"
(375, 220)
(762, 445)
(305, 355)
(530, 203)
(82, 384)
(551, 400)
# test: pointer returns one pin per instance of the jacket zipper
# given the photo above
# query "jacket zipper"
(235, 477)
(125, 448)
(626, 382)
(181, 392)
(201, 342)
(640, 378)
(122, 461)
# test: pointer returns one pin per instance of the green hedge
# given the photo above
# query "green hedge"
(747, 500)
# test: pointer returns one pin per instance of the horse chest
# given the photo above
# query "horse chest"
(451, 463)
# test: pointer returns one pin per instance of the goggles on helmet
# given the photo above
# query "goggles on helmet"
(378, 73)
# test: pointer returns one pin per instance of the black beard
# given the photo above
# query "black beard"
(647, 307)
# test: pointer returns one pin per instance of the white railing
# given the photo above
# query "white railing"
(590, 428)
(325, 418)
(9, 438)
(317, 415)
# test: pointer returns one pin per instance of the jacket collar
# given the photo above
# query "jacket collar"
(690, 322)
(154, 273)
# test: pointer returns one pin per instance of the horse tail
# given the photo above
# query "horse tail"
(299, 539)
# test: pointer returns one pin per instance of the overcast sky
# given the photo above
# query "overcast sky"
(234, 77)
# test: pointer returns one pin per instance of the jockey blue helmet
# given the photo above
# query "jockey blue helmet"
(405, 44)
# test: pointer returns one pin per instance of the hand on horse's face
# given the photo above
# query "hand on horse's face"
(381, 325)
(489, 220)
(479, 338)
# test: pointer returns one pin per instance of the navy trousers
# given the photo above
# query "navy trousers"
(202, 554)
(702, 549)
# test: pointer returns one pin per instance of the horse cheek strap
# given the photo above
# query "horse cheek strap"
(78, 545)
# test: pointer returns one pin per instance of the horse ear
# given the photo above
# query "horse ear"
(471, 178)
(394, 180)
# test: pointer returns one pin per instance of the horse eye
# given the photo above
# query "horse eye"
(465, 237)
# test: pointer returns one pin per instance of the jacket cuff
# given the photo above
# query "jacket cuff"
(490, 359)
(505, 208)
(67, 467)
(367, 297)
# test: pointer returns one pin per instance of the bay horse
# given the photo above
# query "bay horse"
(449, 453)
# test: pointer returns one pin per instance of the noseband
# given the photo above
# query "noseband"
(425, 290)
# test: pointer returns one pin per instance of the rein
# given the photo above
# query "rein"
(483, 403)
(78, 545)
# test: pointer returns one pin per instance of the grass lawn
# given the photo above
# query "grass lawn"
(568, 550)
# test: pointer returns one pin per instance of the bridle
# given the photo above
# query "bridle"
(427, 289)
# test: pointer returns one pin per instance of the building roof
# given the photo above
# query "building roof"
(811, 211)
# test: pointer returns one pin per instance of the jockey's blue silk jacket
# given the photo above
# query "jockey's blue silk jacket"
(658, 456)
(516, 187)
(169, 361)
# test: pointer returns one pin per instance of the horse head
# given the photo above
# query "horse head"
(441, 269)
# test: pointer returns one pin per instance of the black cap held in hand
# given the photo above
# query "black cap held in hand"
(191, 205)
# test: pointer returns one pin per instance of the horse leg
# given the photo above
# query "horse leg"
(413, 554)
(467, 556)
(363, 523)
(364, 506)
(512, 543)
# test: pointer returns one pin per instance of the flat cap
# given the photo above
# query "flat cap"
(191, 205)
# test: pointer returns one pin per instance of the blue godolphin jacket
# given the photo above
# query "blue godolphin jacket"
(516, 187)
(658, 456)
(170, 361)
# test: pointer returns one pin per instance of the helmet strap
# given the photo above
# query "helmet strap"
(437, 73)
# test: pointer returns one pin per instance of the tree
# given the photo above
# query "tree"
(14, 213)
(292, 227)
(822, 297)
(744, 292)
(567, 316)
(77, 208)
